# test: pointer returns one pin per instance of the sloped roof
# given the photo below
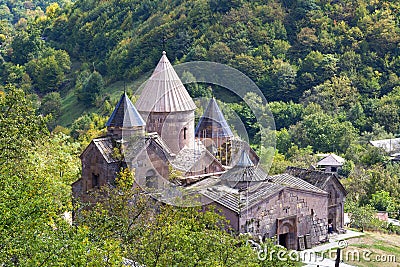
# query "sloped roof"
(237, 200)
(105, 146)
(389, 145)
(331, 160)
(125, 114)
(318, 178)
(244, 171)
(192, 160)
(164, 91)
(244, 160)
(288, 180)
(213, 123)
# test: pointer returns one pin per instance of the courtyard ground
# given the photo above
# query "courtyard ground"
(367, 249)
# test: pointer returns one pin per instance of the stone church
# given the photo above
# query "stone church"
(158, 135)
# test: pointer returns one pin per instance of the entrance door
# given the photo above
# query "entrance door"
(283, 238)
(287, 232)
(332, 218)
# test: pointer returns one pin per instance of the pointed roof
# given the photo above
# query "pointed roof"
(164, 91)
(244, 171)
(213, 123)
(244, 160)
(125, 114)
(331, 160)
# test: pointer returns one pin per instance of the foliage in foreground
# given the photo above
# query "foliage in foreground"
(154, 234)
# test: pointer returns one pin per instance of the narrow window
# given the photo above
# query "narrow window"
(95, 180)
(184, 133)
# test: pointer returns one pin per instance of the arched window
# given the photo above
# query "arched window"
(184, 133)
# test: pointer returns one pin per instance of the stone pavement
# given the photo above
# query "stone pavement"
(335, 241)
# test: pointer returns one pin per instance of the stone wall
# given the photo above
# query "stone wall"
(175, 128)
(309, 208)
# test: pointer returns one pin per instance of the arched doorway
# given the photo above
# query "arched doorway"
(287, 232)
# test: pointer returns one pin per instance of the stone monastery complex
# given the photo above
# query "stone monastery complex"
(158, 134)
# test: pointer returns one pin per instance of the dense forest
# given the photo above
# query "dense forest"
(329, 70)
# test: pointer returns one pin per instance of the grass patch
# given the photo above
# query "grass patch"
(375, 250)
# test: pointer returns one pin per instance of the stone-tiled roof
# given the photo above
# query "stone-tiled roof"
(259, 187)
(192, 160)
(106, 146)
(212, 123)
(331, 160)
(291, 181)
(318, 178)
(132, 148)
(244, 171)
(185, 159)
(164, 91)
(237, 200)
(125, 114)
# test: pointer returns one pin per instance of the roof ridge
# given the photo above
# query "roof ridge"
(125, 114)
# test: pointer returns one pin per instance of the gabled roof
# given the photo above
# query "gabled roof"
(331, 160)
(105, 146)
(192, 160)
(125, 114)
(288, 180)
(164, 91)
(239, 201)
(213, 123)
(318, 178)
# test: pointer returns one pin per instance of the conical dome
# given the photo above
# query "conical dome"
(125, 115)
(164, 91)
(244, 173)
(212, 123)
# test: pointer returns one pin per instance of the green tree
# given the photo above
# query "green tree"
(51, 104)
(36, 171)
(363, 217)
(26, 46)
(88, 87)
(382, 201)
(286, 113)
(324, 133)
(334, 95)
(49, 72)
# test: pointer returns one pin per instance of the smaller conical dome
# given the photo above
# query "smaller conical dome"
(244, 173)
(213, 123)
(244, 160)
(125, 115)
